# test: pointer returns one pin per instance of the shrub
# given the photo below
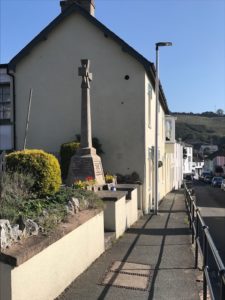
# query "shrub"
(15, 188)
(67, 150)
(42, 166)
(132, 178)
(15, 185)
(95, 142)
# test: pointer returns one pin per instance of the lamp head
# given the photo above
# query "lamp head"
(163, 44)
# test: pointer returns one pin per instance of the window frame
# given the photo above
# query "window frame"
(5, 104)
(150, 92)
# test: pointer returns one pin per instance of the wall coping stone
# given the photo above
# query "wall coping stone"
(26, 249)
(127, 186)
(111, 195)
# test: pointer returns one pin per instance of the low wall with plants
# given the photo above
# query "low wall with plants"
(49, 233)
(30, 272)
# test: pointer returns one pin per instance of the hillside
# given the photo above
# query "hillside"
(198, 130)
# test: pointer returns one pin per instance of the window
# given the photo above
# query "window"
(5, 103)
(163, 133)
(6, 137)
(149, 105)
(149, 168)
(168, 130)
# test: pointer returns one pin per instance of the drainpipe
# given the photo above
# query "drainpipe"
(14, 106)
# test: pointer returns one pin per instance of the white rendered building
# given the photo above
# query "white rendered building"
(122, 96)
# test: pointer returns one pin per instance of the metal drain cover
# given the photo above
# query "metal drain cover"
(128, 275)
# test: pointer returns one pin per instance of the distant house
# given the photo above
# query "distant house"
(174, 155)
(187, 159)
(197, 165)
(207, 149)
(6, 110)
(122, 97)
(208, 166)
(218, 162)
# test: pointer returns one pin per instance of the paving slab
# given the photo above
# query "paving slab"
(153, 260)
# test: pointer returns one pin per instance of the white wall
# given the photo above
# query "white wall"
(178, 165)
(148, 187)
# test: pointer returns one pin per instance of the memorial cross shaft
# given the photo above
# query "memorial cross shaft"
(85, 162)
(86, 130)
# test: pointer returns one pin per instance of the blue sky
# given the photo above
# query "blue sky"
(192, 72)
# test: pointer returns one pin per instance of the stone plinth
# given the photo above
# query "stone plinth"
(86, 163)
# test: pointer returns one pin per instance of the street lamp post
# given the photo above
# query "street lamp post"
(156, 159)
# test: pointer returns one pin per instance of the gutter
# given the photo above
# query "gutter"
(14, 106)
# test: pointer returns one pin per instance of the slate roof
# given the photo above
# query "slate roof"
(149, 66)
(3, 66)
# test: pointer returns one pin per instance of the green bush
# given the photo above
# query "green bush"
(15, 188)
(67, 150)
(42, 166)
(96, 144)
(15, 185)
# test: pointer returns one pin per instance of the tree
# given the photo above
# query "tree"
(206, 151)
(220, 112)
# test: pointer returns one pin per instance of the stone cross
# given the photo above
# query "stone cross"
(85, 163)
(86, 131)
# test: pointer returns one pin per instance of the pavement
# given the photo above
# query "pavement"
(152, 260)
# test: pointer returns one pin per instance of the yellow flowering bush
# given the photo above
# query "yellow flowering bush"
(44, 168)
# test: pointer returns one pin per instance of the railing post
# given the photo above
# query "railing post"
(222, 284)
(205, 260)
(196, 240)
(193, 220)
(189, 198)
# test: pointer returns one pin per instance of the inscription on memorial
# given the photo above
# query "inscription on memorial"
(98, 168)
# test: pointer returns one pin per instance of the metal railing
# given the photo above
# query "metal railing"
(213, 267)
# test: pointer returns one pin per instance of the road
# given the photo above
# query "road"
(211, 202)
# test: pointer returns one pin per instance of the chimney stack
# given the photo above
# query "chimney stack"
(88, 5)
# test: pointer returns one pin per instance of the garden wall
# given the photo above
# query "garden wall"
(121, 208)
(47, 273)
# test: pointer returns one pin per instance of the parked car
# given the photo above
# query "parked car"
(188, 177)
(203, 175)
(217, 181)
(208, 179)
(223, 185)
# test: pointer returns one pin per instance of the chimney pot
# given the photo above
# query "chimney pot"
(88, 5)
